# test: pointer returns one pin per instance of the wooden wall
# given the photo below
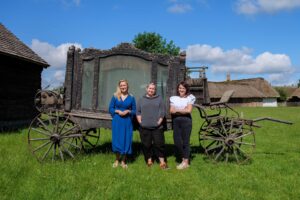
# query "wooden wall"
(19, 81)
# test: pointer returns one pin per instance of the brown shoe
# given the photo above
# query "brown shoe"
(149, 163)
(163, 166)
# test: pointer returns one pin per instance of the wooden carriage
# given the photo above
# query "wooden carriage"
(91, 79)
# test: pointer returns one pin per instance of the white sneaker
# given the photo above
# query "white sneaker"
(182, 166)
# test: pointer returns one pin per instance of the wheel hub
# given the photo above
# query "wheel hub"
(55, 138)
(229, 141)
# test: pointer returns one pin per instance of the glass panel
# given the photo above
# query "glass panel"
(87, 84)
(136, 71)
(162, 77)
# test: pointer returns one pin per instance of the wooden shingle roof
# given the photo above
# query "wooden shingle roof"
(12, 46)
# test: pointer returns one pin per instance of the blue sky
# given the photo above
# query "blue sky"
(246, 38)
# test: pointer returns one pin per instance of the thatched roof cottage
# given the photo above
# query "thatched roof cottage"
(247, 92)
(20, 78)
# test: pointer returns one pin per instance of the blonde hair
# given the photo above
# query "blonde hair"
(118, 91)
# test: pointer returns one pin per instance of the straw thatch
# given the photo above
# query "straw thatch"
(244, 88)
(20, 78)
(296, 93)
(247, 92)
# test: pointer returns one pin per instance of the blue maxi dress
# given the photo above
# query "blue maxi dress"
(122, 127)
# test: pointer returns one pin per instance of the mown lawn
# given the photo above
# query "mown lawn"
(273, 172)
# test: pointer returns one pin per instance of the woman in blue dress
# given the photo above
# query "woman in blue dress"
(122, 108)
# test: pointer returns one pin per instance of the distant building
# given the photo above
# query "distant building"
(294, 98)
(247, 92)
(20, 78)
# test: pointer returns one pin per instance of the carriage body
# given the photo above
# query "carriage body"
(70, 123)
(92, 76)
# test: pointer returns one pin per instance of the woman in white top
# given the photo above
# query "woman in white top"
(181, 107)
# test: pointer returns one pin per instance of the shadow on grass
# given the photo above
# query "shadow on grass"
(170, 151)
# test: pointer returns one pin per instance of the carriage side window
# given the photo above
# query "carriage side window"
(162, 77)
(114, 68)
(87, 85)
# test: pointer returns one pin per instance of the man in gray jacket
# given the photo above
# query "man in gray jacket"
(150, 114)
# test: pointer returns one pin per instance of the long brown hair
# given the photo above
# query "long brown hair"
(185, 85)
(118, 91)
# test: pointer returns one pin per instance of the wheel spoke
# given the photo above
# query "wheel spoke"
(86, 140)
(212, 138)
(217, 132)
(227, 155)
(219, 153)
(39, 131)
(61, 154)
(215, 147)
(41, 146)
(44, 125)
(66, 150)
(72, 136)
(245, 143)
(63, 126)
(213, 142)
(240, 150)
(46, 153)
(38, 139)
(224, 129)
(231, 125)
(235, 155)
(94, 136)
(71, 144)
(244, 135)
(69, 130)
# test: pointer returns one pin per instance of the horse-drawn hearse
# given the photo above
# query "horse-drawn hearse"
(70, 122)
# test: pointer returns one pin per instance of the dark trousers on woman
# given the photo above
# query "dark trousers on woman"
(182, 128)
(153, 140)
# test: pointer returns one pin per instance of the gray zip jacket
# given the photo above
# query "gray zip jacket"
(150, 109)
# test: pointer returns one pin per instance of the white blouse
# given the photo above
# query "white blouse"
(181, 102)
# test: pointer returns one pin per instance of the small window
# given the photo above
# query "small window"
(135, 70)
(87, 85)
(162, 77)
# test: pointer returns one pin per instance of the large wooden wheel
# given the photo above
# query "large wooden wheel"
(90, 138)
(54, 136)
(228, 140)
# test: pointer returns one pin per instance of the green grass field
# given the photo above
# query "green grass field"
(273, 172)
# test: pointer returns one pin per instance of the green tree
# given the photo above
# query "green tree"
(298, 85)
(282, 93)
(155, 43)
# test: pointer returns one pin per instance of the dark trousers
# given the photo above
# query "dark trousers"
(153, 140)
(182, 127)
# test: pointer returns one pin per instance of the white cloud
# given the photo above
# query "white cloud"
(281, 79)
(179, 8)
(59, 75)
(250, 7)
(55, 56)
(238, 61)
